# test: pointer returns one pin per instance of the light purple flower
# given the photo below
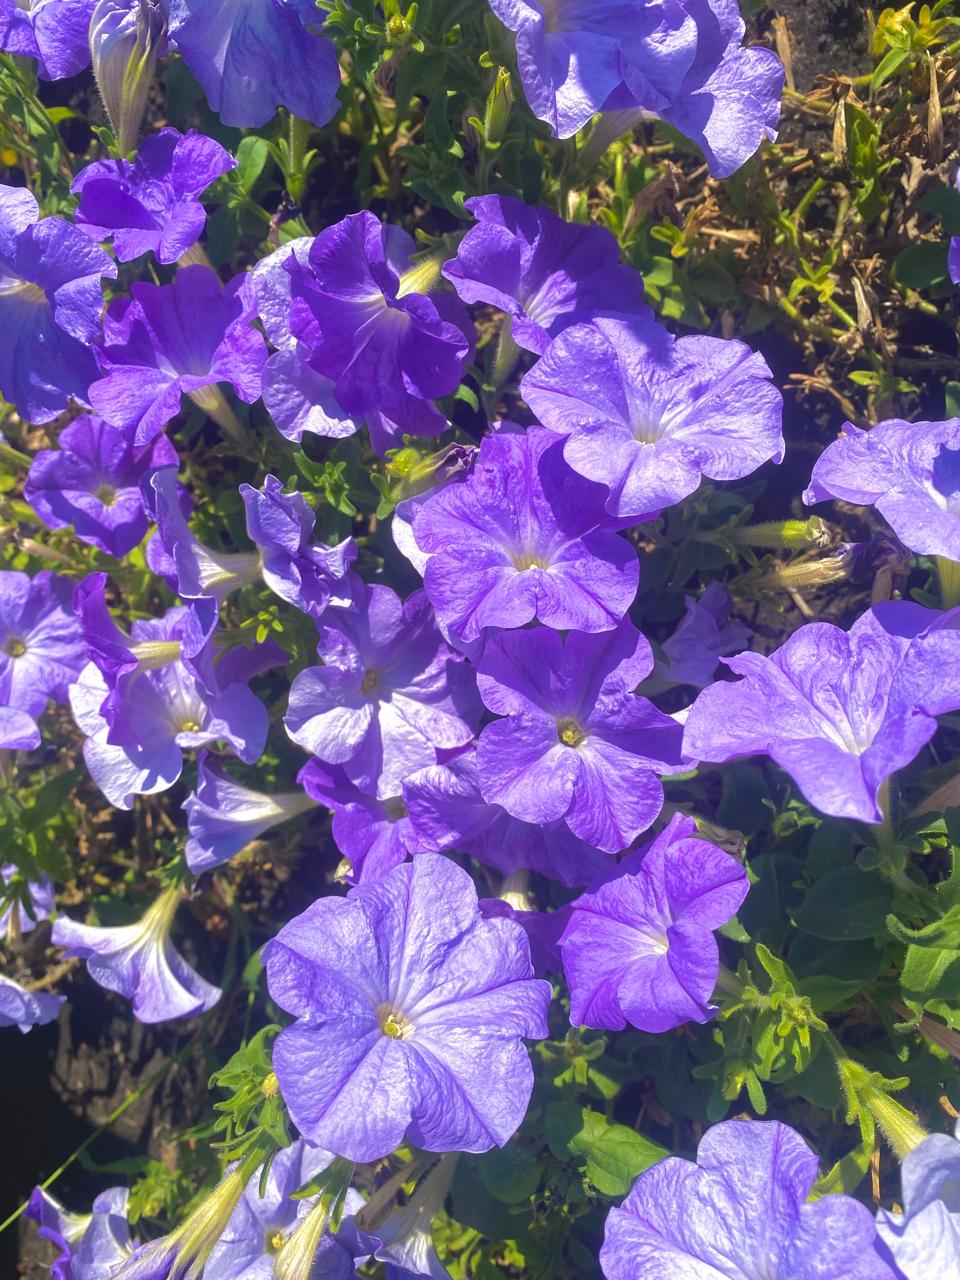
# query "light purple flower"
(252, 56)
(135, 741)
(840, 711)
(139, 961)
(678, 59)
(152, 203)
(21, 913)
(223, 816)
(90, 1243)
(50, 307)
(26, 1009)
(126, 39)
(54, 32)
(546, 274)
(92, 482)
(448, 812)
(740, 1211)
(375, 835)
(389, 695)
(640, 949)
(41, 645)
(704, 635)
(521, 538)
(910, 471)
(18, 731)
(298, 398)
(953, 253)
(310, 576)
(171, 340)
(649, 415)
(923, 1242)
(409, 1008)
(361, 321)
(261, 1224)
(405, 1240)
(575, 743)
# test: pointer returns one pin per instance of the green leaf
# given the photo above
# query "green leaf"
(846, 904)
(921, 266)
(252, 156)
(931, 974)
(511, 1175)
(614, 1155)
(953, 400)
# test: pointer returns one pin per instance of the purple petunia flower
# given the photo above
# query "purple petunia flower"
(308, 576)
(54, 32)
(680, 60)
(740, 1211)
(18, 731)
(135, 738)
(448, 812)
(50, 307)
(90, 1243)
(140, 962)
(546, 274)
(923, 1242)
(252, 56)
(298, 398)
(640, 949)
(178, 339)
(649, 415)
(26, 1009)
(705, 634)
(152, 203)
(840, 711)
(575, 743)
(92, 482)
(953, 253)
(389, 695)
(410, 1008)
(260, 1225)
(910, 471)
(405, 1240)
(223, 817)
(20, 914)
(374, 835)
(361, 321)
(41, 645)
(521, 538)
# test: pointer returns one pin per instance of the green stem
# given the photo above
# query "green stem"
(949, 573)
(298, 138)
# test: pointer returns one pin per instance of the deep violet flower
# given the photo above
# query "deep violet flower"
(310, 576)
(177, 339)
(26, 1009)
(90, 1243)
(135, 740)
(92, 482)
(252, 56)
(840, 711)
(223, 816)
(374, 835)
(739, 1211)
(362, 319)
(909, 471)
(448, 812)
(21, 912)
(389, 695)
(18, 731)
(575, 742)
(923, 1242)
(649, 415)
(953, 253)
(41, 645)
(50, 307)
(298, 398)
(640, 949)
(546, 274)
(409, 1008)
(152, 203)
(521, 538)
(139, 961)
(260, 1225)
(681, 60)
(54, 32)
(705, 634)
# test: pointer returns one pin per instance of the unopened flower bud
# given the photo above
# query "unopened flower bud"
(126, 38)
(499, 106)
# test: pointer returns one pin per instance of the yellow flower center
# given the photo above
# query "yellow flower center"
(370, 682)
(15, 647)
(274, 1242)
(393, 1023)
(106, 494)
(569, 732)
